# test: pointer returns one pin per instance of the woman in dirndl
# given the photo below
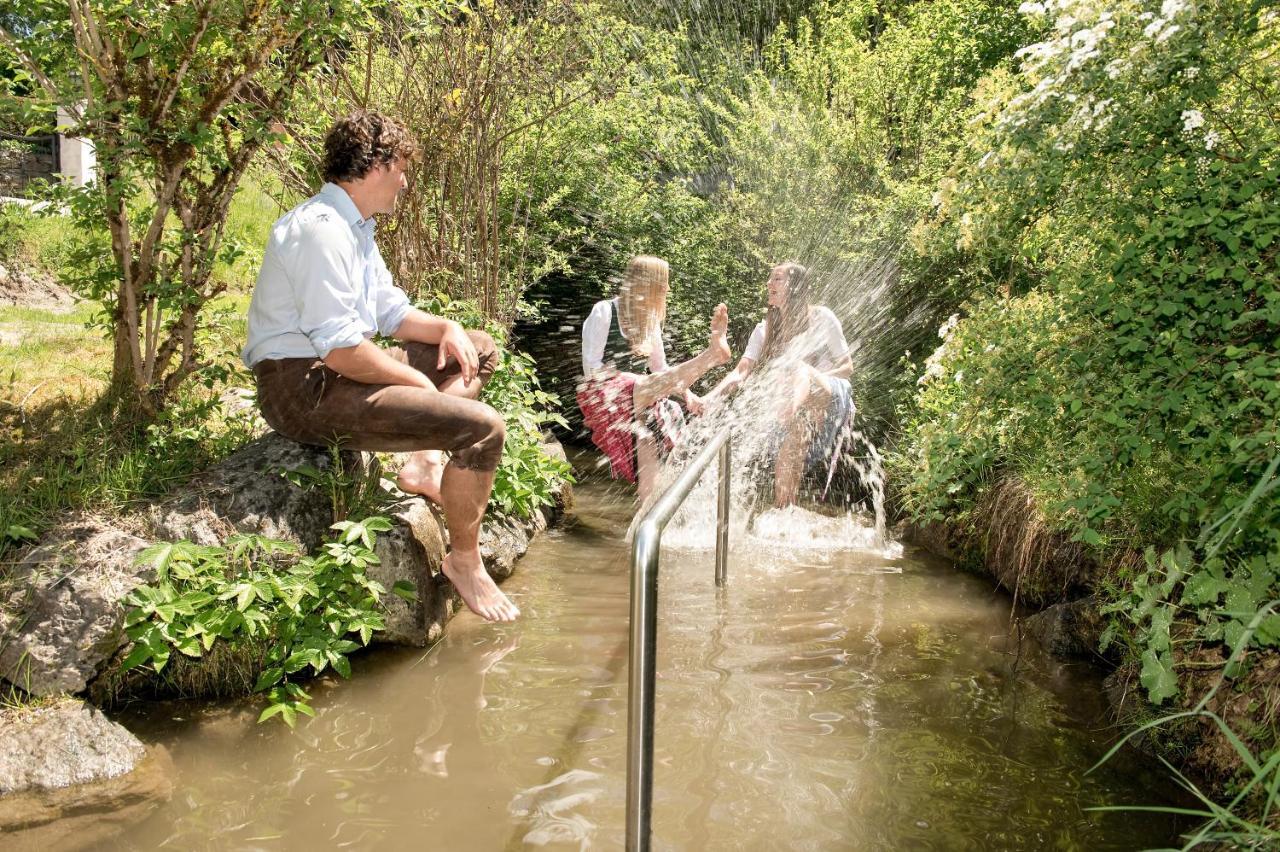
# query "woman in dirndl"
(808, 358)
(626, 385)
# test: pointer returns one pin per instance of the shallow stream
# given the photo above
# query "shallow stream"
(857, 699)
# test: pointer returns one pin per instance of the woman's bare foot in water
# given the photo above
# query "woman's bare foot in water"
(718, 344)
(422, 474)
(481, 595)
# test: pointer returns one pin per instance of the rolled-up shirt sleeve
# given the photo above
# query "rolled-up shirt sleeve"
(323, 279)
(595, 334)
(391, 304)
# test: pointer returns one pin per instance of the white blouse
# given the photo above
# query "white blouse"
(595, 335)
(824, 347)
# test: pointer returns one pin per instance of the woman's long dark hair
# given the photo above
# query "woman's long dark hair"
(784, 324)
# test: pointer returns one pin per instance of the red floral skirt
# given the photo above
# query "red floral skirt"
(608, 410)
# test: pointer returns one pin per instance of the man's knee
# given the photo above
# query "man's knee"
(490, 432)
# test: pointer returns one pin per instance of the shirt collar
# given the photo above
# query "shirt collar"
(338, 198)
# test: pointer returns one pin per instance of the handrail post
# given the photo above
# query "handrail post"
(641, 676)
(722, 515)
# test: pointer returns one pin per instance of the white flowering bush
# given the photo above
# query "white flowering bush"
(1115, 218)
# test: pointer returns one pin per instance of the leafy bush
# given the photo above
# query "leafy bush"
(309, 612)
(1114, 217)
(527, 477)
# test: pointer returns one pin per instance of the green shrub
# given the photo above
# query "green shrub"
(1115, 218)
(309, 613)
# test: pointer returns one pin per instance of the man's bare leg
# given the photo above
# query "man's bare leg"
(424, 470)
(650, 389)
(465, 494)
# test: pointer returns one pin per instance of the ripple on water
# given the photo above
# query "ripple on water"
(853, 699)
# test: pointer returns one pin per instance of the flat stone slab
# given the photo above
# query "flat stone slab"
(66, 743)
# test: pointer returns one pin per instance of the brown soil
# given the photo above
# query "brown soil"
(33, 289)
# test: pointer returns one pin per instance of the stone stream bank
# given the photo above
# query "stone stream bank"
(62, 617)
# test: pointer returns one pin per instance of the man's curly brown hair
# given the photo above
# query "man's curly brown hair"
(363, 140)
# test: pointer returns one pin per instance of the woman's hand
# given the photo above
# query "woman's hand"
(457, 343)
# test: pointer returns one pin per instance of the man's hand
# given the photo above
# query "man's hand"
(693, 403)
(456, 343)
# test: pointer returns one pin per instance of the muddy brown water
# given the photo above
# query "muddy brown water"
(852, 699)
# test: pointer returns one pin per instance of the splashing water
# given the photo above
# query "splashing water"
(837, 522)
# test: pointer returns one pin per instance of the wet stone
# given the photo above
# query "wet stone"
(69, 742)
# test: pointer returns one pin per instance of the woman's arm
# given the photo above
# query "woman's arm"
(730, 383)
(595, 334)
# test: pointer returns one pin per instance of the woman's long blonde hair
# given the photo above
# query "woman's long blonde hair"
(642, 301)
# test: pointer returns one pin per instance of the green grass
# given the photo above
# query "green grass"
(63, 445)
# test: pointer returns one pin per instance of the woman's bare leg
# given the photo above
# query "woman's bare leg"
(678, 379)
(789, 467)
(647, 466)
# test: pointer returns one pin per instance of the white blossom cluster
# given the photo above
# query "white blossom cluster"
(1193, 120)
(1076, 42)
(933, 368)
(1162, 27)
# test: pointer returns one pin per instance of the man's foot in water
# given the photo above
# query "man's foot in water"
(481, 595)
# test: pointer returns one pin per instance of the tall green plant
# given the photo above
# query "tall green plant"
(177, 100)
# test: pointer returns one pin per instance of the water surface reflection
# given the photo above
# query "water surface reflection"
(860, 700)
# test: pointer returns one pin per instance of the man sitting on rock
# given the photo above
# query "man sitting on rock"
(323, 293)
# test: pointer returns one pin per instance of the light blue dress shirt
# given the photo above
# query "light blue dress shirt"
(323, 284)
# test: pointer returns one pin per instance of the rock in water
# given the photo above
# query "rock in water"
(47, 757)
(48, 748)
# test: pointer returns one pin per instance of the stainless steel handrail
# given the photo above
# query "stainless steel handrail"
(645, 552)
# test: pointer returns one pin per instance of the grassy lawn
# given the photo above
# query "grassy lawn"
(63, 448)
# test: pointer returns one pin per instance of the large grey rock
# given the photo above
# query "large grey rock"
(61, 624)
(43, 750)
(66, 743)
(62, 617)
(249, 492)
(413, 551)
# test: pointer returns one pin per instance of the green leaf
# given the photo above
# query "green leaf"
(271, 710)
(1157, 676)
(139, 655)
(1204, 588)
(1158, 635)
(405, 589)
(269, 678)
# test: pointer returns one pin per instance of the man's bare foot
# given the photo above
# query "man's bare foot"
(718, 344)
(422, 474)
(481, 595)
